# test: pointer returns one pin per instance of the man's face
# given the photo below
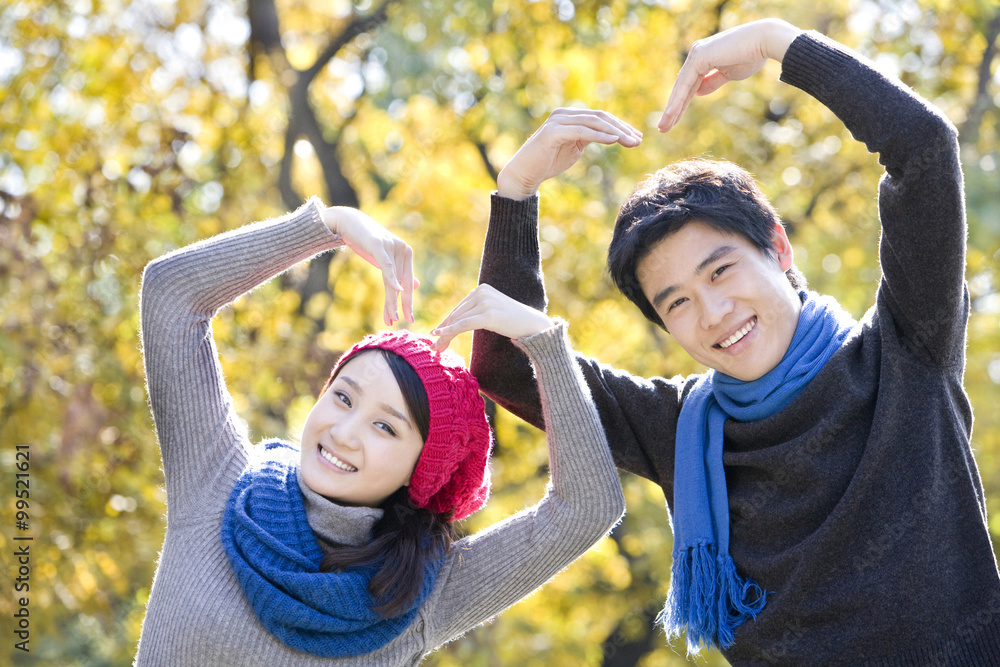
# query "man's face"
(726, 303)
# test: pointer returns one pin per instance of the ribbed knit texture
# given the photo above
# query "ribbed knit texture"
(708, 599)
(859, 506)
(197, 615)
(276, 558)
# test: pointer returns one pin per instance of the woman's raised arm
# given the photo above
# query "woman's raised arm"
(203, 442)
(495, 568)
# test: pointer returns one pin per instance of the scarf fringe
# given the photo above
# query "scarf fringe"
(708, 599)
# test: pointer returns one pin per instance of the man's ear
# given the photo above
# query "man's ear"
(782, 247)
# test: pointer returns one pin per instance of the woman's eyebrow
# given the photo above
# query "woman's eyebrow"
(385, 406)
(396, 413)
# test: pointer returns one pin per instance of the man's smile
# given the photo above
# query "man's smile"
(738, 335)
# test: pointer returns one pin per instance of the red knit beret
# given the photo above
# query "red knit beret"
(452, 473)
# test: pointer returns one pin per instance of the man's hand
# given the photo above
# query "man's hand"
(557, 145)
(731, 55)
(487, 308)
(383, 250)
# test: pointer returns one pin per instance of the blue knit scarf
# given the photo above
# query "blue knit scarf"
(276, 559)
(708, 599)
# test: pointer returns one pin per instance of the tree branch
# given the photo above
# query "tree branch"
(969, 132)
(359, 25)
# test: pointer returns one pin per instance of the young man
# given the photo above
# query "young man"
(825, 500)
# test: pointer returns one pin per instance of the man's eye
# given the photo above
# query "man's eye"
(675, 304)
(719, 270)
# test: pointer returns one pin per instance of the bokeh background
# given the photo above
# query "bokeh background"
(128, 129)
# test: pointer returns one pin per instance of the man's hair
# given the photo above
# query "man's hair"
(717, 193)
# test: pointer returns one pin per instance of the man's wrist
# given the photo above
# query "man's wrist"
(511, 190)
(779, 36)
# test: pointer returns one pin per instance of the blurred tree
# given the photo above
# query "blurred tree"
(133, 128)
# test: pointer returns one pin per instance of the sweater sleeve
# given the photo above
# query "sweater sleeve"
(493, 569)
(511, 263)
(921, 201)
(202, 441)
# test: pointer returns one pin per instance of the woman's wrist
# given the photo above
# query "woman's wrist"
(331, 218)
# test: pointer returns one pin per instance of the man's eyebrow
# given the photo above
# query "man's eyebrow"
(385, 406)
(713, 257)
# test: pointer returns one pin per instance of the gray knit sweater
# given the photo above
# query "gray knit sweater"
(859, 506)
(197, 614)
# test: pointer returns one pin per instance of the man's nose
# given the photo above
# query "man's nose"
(714, 309)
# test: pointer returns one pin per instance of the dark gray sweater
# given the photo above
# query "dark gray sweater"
(859, 505)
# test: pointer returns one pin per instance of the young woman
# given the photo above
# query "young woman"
(339, 551)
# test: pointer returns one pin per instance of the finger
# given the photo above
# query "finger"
(464, 306)
(388, 265)
(447, 333)
(599, 121)
(441, 343)
(575, 115)
(470, 322)
(711, 83)
(389, 281)
(407, 281)
(688, 80)
(621, 125)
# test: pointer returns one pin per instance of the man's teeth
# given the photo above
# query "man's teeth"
(739, 334)
(335, 461)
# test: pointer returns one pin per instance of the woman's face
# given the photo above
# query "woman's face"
(360, 443)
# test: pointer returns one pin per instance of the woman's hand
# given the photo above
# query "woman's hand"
(557, 145)
(730, 55)
(383, 250)
(487, 308)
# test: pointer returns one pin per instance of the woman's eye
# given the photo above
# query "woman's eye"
(343, 398)
(385, 427)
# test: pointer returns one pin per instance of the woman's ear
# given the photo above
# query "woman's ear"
(782, 247)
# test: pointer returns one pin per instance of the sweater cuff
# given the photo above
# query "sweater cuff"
(545, 346)
(813, 61)
(513, 226)
(312, 210)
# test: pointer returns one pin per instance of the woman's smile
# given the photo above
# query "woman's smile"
(335, 461)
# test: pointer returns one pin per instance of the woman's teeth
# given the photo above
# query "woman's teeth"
(739, 334)
(335, 461)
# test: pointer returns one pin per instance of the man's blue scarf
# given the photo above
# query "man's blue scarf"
(708, 599)
(276, 559)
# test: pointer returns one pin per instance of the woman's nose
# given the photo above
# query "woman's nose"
(344, 431)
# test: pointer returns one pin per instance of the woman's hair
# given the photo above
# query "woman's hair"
(719, 194)
(406, 537)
